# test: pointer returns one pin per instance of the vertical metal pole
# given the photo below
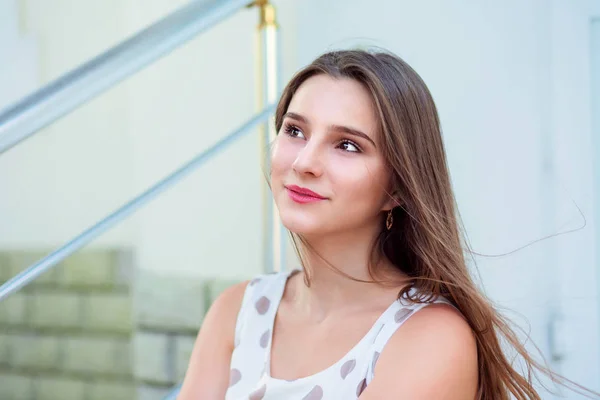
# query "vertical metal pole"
(267, 87)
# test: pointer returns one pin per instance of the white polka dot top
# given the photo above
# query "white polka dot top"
(250, 377)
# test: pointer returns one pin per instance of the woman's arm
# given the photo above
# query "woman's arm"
(432, 356)
(207, 376)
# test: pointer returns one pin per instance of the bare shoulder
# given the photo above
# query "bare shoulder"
(221, 318)
(227, 305)
(432, 355)
(438, 325)
(207, 375)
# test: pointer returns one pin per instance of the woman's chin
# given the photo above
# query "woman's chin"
(302, 226)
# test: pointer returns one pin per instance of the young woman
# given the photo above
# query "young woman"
(383, 307)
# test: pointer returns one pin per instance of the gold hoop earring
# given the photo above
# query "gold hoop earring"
(389, 220)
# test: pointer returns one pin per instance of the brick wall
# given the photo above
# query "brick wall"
(68, 335)
(92, 329)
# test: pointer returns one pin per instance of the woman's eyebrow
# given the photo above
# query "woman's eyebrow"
(352, 131)
(296, 116)
(338, 128)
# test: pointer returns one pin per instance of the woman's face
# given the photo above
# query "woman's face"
(327, 172)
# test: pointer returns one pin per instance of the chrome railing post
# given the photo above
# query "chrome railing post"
(267, 70)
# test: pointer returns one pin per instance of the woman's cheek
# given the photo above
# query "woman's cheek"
(284, 154)
(361, 179)
(280, 155)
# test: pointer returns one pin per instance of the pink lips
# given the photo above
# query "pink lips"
(303, 195)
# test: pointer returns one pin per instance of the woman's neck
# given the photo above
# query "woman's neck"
(330, 290)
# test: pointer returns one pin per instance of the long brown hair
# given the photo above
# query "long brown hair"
(426, 240)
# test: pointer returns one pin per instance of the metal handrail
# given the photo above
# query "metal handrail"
(46, 263)
(23, 119)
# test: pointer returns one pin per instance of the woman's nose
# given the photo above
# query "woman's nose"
(309, 160)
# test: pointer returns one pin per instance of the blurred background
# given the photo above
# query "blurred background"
(517, 85)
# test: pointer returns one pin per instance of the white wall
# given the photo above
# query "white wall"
(595, 65)
(511, 81)
(576, 262)
(78, 169)
(18, 53)
(181, 106)
(594, 12)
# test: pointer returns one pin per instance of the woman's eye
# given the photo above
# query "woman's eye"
(347, 145)
(294, 131)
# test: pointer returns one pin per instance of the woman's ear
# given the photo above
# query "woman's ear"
(392, 201)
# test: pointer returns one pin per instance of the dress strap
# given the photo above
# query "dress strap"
(401, 311)
(260, 302)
